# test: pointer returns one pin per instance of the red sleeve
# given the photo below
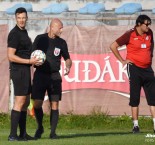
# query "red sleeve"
(124, 39)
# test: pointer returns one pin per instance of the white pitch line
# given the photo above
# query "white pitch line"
(123, 94)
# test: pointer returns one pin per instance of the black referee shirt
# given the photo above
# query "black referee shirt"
(19, 40)
(54, 50)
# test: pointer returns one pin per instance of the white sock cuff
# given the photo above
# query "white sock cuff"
(135, 122)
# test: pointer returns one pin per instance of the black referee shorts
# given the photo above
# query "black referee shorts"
(50, 83)
(21, 79)
(141, 78)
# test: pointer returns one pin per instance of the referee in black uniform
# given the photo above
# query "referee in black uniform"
(47, 76)
(19, 50)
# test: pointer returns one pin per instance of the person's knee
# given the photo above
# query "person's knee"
(26, 104)
(18, 107)
(54, 105)
(37, 104)
(19, 103)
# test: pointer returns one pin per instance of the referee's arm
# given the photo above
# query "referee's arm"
(68, 64)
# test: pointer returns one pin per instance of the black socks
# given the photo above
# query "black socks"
(54, 116)
(15, 116)
(39, 117)
(22, 123)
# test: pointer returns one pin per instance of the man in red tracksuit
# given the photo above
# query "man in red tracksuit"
(139, 43)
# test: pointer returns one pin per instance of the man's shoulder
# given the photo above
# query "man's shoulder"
(130, 30)
(13, 32)
(61, 39)
(42, 35)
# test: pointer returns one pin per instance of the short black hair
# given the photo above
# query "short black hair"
(142, 18)
(20, 10)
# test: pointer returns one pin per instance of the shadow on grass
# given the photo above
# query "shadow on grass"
(93, 134)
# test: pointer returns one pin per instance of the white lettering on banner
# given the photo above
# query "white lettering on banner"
(122, 69)
(107, 70)
(87, 71)
(99, 71)
(76, 72)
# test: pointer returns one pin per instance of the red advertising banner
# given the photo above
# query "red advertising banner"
(97, 81)
(99, 71)
(4, 70)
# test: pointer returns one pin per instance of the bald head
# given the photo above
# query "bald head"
(56, 21)
(55, 28)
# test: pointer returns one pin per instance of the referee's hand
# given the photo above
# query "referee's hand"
(67, 70)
